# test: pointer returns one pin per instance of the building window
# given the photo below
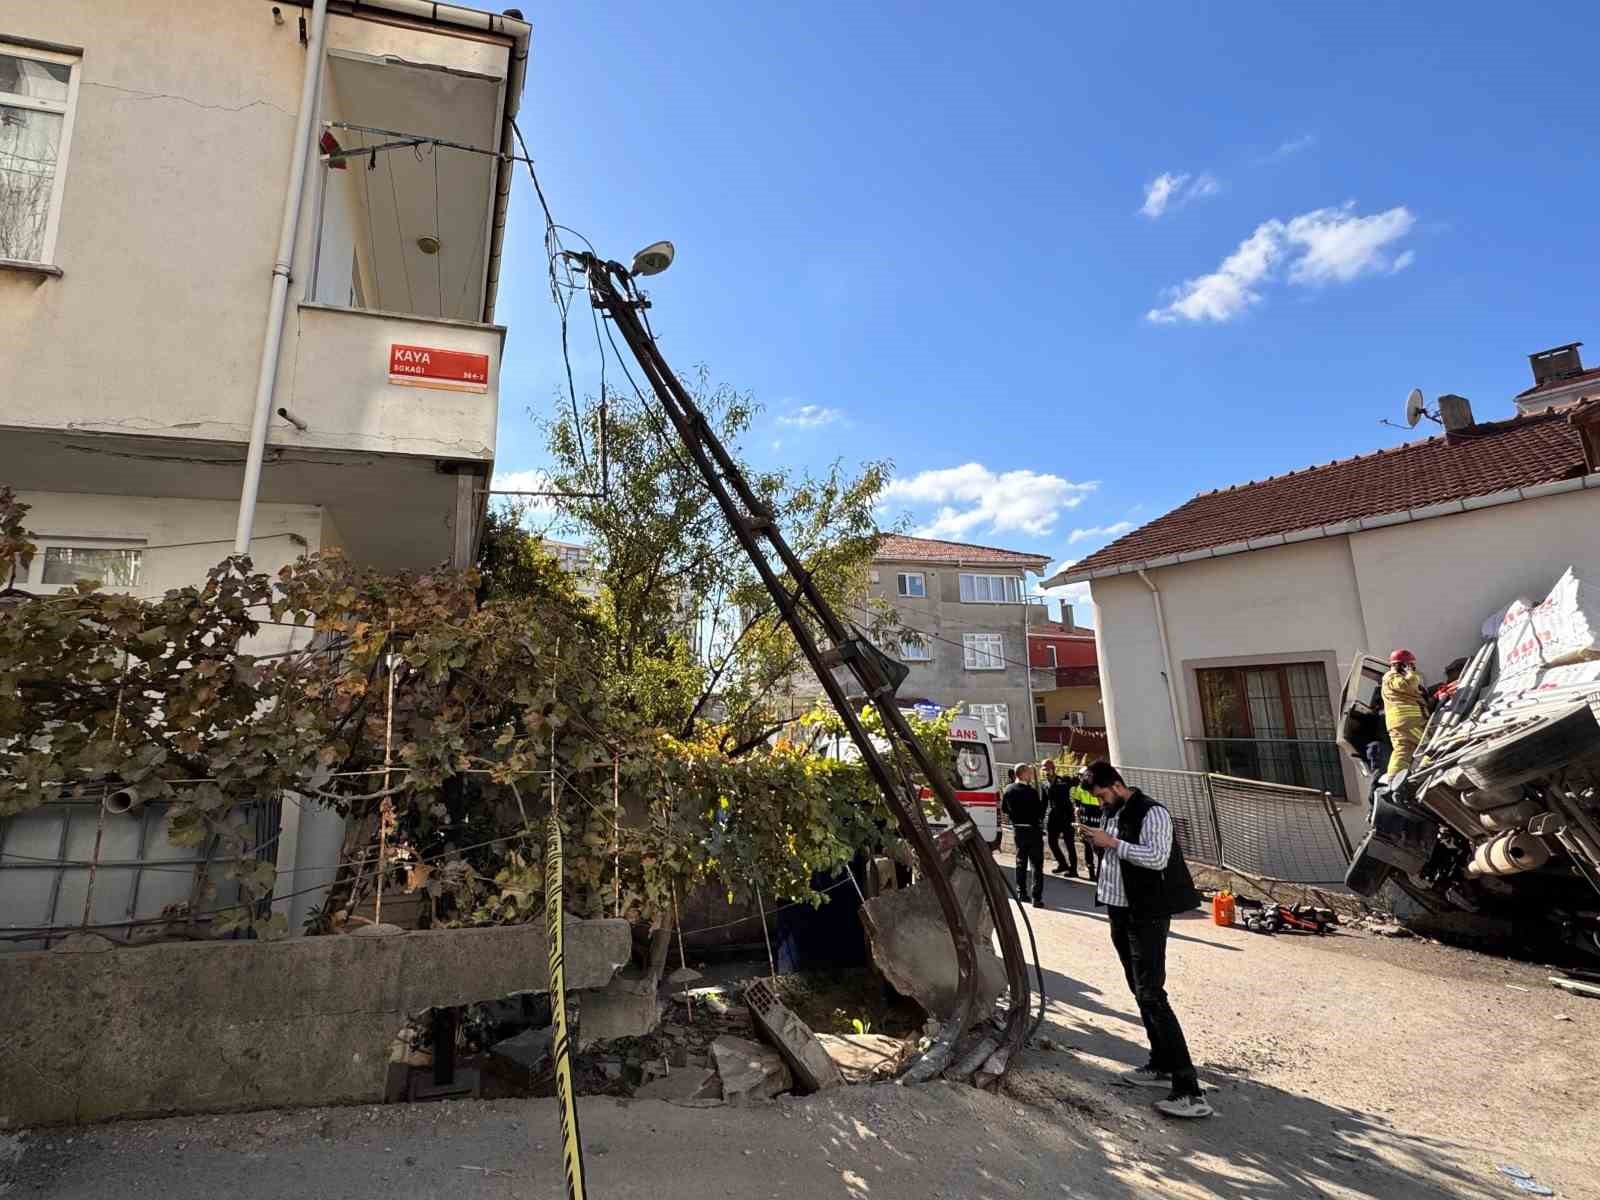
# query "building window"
(991, 589)
(38, 91)
(61, 564)
(1074, 717)
(983, 651)
(996, 719)
(1040, 715)
(1271, 722)
(911, 583)
(1050, 657)
(915, 649)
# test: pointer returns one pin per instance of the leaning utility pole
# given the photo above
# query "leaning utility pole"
(613, 293)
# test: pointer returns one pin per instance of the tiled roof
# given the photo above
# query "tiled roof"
(1492, 458)
(897, 547)
(1592, 375)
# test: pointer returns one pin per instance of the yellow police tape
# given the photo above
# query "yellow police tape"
(571, 1140)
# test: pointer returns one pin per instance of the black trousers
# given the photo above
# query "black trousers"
(1057, 832)
(1030, 854)
(1141, 944)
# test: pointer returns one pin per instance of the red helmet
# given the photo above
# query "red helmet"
(1403, 656)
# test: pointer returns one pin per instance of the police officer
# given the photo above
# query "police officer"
(1022, 805)
(1089, 810)
(1061, 819)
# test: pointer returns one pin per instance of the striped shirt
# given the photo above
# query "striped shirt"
(1152, 850)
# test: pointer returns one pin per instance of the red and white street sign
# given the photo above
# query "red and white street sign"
(426, 366)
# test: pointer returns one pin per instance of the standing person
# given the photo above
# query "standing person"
(1088, 821)
(1144, 881)
(1021, 803)
(1404, 709)
(1060, 819)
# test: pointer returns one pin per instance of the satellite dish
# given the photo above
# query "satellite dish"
(1416, 408)
(653, 259)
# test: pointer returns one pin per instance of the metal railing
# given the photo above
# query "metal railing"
(1297, 762)
(1269, 830)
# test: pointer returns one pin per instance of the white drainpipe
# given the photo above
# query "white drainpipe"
(1166, 663)
(267, 377)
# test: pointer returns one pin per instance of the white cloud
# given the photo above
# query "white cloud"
(1294, 145)
(1172, 190)
(1327, 245)
(810, 416)
(1075, 594)
(1340, 246)
(972, 498)
(1115, 529)
(777, 443)
(535, 480)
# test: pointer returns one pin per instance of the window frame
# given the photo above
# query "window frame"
(902, 580)
(915, 650)
(33, 579)
(1051, 651)
(967, 588)
(67, 110)
(1000, 729)
(974, 659)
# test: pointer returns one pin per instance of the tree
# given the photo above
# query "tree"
(688, 621)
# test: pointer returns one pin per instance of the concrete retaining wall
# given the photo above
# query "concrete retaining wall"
(207, 1026)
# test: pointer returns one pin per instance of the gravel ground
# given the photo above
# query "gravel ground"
(1343, 1067)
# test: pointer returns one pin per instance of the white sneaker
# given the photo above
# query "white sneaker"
(1148, 1077)
(1188, 1107)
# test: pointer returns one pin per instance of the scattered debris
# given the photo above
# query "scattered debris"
(1390, 929)
(528, 1053)
(864, 1057)
(812, 1067)
(693, 1083)
(748, 1070)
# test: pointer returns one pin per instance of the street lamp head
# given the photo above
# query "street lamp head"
(653, 259)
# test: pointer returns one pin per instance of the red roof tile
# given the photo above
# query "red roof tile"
(1057, 629)
(897, 547)
(1521, 452)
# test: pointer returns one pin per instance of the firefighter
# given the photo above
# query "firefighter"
(1404, 709)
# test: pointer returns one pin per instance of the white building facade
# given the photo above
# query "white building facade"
(249, 256)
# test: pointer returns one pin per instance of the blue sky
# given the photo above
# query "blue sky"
(1068, 265)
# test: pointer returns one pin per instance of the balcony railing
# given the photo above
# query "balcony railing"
(1299, 762)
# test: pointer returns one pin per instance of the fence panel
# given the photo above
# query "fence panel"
(1278, 832)
(1187, 796)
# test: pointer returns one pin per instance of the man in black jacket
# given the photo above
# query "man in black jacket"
(1021, 804)
(1061, 815)
(1144, 882)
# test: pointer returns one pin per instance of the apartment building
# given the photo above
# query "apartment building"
(969, 607)
(1070, 713)
(249, 257)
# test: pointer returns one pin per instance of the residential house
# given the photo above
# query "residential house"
(968, 606)
(1069, 712)
(1225, 628)
(576, 560)
(221, 330)
(1559, 380)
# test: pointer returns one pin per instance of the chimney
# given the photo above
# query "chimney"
(1559, 362)
(1455, 412)
(1066, 615)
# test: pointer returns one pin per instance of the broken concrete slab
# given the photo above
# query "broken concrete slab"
(693, 1083)
(911, 944)
(528, 1052)
(217, 1025)
(749, 1071)
(808, 1062)
(864, 1057)
(620, 1010)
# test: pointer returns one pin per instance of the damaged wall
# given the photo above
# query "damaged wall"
(208, 1026)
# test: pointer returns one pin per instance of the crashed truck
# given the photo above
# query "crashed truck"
(1498, 814)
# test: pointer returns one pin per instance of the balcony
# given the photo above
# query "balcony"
(392, 383)
(1080, 739)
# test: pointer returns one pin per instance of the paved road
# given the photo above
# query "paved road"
(1349, 1067)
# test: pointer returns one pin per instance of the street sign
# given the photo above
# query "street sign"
(427, 366)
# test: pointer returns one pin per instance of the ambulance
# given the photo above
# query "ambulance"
(975, 774)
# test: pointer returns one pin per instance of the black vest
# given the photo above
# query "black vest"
(1153, 893)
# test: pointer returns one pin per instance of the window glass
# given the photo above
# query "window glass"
(913, 650)
(972, 770)
(35, 79)
(30, 144)
(967, 589)
(911, 585)
(113, 568)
